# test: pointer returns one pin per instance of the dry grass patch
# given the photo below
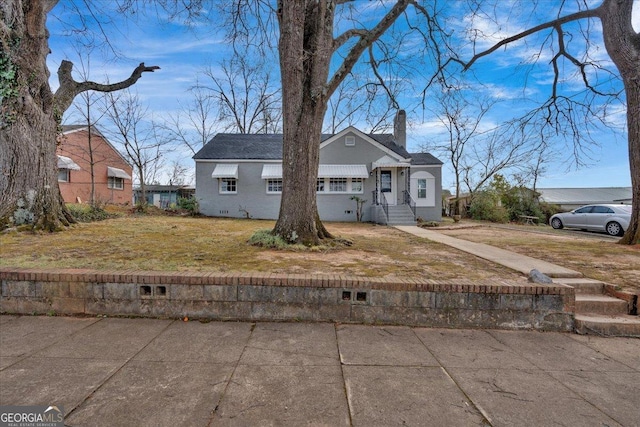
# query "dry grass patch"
(169, 243)
(600, 259)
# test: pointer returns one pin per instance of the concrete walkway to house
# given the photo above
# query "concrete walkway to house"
(160, 372)
(514, 261)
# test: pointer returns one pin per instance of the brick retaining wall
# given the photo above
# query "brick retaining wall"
(280, 297)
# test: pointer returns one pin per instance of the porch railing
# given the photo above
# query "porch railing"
(382, 201)
(408, 200)
(385, 206)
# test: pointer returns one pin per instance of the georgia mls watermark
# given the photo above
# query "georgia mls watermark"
(31, 416)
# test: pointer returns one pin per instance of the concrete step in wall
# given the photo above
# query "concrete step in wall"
(600, 304)
(582, 285)
(401, 215)
(401, 221)
(600, 314)
(612, 326)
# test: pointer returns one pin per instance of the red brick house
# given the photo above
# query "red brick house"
(77, 145)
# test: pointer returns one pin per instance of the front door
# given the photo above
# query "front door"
(387, 186)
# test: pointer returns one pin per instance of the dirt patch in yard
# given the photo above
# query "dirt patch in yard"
(169, 243)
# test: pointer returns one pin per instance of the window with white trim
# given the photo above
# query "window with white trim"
(356, 185)
(115, 183)
(274, 185)
(422, 188)
(64, 175)
(338, 185)
(228, 185)
(349, 141)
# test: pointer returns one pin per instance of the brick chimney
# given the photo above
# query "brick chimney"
(400, 128)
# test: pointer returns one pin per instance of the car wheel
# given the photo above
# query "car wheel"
(556, 223)
(614, 229)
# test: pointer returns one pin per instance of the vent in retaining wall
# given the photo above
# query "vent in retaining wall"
(354, 297)
(149, 291)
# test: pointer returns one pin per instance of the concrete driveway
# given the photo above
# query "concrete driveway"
(151, 372)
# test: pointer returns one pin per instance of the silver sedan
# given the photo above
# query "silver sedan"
(613, 219)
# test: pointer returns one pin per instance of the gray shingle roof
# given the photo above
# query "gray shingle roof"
(387, 140)
(242, 146)
(232, 146)
(161, 188)
(424, 159)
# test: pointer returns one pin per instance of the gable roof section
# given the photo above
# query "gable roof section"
(386, 162)
(67, 129)
(383, 141)
(232, 146)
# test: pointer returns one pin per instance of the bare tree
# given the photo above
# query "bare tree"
(307, 51)
(245, 95)
(142, 142)
(462, 118)
(360, 99)
(30, 114)
(84, 106)
(194, 125)
(622, 43)
(178, 174)
(498, 151)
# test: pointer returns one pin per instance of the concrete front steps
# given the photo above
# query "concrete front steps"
(401, 215)
(600, 314)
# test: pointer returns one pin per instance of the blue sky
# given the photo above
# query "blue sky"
(183, 53)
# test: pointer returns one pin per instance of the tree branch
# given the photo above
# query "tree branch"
(69, 88)
(556, 23)
(365, 41)
(374, 67)
(344, 37)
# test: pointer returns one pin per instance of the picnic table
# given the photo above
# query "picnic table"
(530, 220)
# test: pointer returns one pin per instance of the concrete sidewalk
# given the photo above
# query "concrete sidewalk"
(514, 261)
(151, 372)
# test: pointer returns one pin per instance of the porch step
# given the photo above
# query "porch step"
(622, 325)
(600, 304)
(401, 215)
(582, 285)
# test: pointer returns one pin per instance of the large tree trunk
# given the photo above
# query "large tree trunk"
(305, 47)
(29, 192)
(623, 46)
(632, 89)
(30, 114)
